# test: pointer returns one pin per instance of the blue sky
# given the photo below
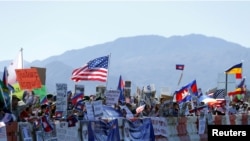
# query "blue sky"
(49, 28)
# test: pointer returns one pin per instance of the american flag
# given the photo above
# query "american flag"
(140, 108)
(219, 94)
(94, 70)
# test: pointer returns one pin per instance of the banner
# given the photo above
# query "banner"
(138, 130)
(65, 133)
(3, 134)
(103, 131)
(112, 97)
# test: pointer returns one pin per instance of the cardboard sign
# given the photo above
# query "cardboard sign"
(28, 78)
(12, 130)
(42, 74)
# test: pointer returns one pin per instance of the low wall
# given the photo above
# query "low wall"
(164, 129)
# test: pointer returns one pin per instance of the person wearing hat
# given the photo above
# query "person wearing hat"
(14, 106)
(26, 114)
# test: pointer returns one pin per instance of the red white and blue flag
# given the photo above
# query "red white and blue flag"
(79, 106)
(179, 67)
(76, 98)
(47, 127)
(58, 114)
(44, 100)
(72, 120)
(184, 94)
(94, 70)
(120, 87)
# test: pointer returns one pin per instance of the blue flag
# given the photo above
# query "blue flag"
(121, 88)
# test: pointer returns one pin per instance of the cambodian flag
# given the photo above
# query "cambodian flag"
(72, 120)
(46, 125)
(58, 114)
(76, 98)
(120, 87)
(44, 101)
(193, 87)
(79, 106)
(179, 67)
(183, 95)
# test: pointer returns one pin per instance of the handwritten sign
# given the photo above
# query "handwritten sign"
(90, 111)
(65, 133)
(3, 135)
(79, 89)
(61, 98)
(112, 97)
(12, 130)
(25, 129)
(98, 111)
(28, 78)
(84, 132)
(202, 125)
(160, 126)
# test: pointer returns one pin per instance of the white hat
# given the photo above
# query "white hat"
(21, 105)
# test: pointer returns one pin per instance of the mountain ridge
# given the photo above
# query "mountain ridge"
(150, 59)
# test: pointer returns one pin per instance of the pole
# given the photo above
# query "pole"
(21, 56)
(173, 99)
(108, 70)
(180, 79)
(226, 83)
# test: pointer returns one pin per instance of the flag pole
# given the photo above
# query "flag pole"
(180, 79)
(226, 84)
(22, 56)
(178, 84)
(108, 70)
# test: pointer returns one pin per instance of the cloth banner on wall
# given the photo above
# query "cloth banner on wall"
(103, 131)
(138, 130)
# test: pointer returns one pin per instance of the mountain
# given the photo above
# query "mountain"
(151, 59)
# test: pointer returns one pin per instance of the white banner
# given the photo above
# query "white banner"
(112, 97)
(61, 98)
(97, 105)
(65, 133)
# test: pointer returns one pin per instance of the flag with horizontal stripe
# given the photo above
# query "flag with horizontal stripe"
(179, 67)
(236, 69)
(219, 94)
(94, 70)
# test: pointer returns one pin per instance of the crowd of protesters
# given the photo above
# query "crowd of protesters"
(29, 108)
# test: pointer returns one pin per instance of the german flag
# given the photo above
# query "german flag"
(236, 69)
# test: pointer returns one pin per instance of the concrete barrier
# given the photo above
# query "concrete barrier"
(166, 128)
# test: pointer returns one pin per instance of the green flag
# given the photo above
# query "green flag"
(2, 95)
(41, 92)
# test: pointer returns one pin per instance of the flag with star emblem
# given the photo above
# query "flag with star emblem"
(76, 98)
(183, 95)
(179, 67)
(47, 127)
(94, 70)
